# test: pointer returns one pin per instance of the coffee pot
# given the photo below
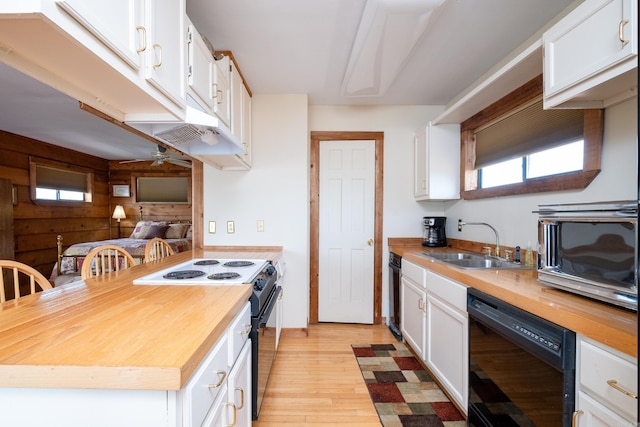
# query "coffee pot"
(434, 231)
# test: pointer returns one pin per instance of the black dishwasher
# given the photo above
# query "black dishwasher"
(395, 263)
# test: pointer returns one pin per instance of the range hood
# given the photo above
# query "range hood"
(200, 134)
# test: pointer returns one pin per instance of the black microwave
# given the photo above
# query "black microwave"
(591, 249)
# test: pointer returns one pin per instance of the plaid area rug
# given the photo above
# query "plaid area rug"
(401, 390)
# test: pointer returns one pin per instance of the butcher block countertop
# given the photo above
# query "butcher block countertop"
(615, 327)
(108, 333)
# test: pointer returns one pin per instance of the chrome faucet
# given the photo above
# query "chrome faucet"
(461, 223)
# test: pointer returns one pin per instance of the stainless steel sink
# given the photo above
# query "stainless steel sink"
(474, 261)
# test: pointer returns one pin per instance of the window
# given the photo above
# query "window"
(552, 161)
(514, 146)
(56, 181)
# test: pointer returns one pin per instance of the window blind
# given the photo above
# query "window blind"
(526, 130)
(59, 179)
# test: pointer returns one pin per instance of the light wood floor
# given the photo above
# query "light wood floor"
(315, 380)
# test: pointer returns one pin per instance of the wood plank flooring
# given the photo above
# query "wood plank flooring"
(315, 380)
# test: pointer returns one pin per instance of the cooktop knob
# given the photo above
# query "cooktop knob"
(259, 284)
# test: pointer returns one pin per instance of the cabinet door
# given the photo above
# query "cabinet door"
(412, 315)
(200, 69)
(236, 100)
(591, 413)
(116, 23)
(165, 54)
(447, 349)
(221, 91)
(246, 124)
(591, 45)
(437, 162)
(239, 390)
(217, 414)
(421, 179)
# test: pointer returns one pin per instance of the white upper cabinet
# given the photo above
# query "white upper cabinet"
(116, 23)
(591, 55)
(240, 118)
(437, 162)
(165, 56)
(126, 58)
(200, 69)
(221, 90)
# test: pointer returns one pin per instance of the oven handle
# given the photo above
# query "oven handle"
(272, 303)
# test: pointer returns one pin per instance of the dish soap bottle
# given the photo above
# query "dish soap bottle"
(528, 256)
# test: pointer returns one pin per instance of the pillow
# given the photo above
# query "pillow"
(156, 230)
(176, 231)
(140, 230)
(189, 233)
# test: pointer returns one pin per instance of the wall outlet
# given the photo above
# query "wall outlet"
(212, 227)
(260, 225)
(231, 228)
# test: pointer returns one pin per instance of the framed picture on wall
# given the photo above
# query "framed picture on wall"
(121, 191)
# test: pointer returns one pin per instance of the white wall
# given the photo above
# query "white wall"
(275, 190)
(512, 216)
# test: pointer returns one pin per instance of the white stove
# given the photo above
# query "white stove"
(207, 272)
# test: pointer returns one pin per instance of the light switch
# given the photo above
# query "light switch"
(231, 228)
(260, 225)
(212, 227)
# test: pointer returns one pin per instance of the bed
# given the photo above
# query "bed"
(69, 264)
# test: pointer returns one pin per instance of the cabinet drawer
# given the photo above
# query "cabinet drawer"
(239, 333)
(416, 274)
(599, 364)
(452, 292)
(206, 383)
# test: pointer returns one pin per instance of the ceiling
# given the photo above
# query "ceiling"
(298, 46)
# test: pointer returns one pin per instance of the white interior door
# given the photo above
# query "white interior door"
(346, 211)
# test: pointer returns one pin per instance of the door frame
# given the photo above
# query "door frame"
(314, 198)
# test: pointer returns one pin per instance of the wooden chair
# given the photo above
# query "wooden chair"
(105, 259)
(156, 249)
(18, 270)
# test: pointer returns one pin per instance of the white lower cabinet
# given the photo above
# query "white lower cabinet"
(413, 300)
(232, 407)
(221, 382)
(606, 386)
(447, 346)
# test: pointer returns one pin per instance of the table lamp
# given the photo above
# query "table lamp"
(118, 213)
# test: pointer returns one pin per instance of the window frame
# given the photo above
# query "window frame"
(593, 129)
(34, 162)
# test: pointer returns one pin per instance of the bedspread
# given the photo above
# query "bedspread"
(74, 253)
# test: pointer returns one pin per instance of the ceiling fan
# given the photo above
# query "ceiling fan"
(159, 157)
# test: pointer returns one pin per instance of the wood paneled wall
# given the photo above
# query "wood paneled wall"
(36, 225)
(125, 174)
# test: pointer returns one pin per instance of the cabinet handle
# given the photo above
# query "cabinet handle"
(222, 375)
(621, 32)
(235, 411)
(158, 48)
(143, 31)
(215, 90)
(241, 390)
(574, 417)
(247, 329)
(614, 384)
(421, 304)
(281, 294)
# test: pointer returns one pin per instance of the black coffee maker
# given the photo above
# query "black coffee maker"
(434, 234)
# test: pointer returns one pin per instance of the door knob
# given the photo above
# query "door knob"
(370, 242)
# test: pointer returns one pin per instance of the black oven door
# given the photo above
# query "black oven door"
(263, 341)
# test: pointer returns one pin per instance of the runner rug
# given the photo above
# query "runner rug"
(401, 390)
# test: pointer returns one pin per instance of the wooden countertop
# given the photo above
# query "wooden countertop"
(615, 327)
(109, 333)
